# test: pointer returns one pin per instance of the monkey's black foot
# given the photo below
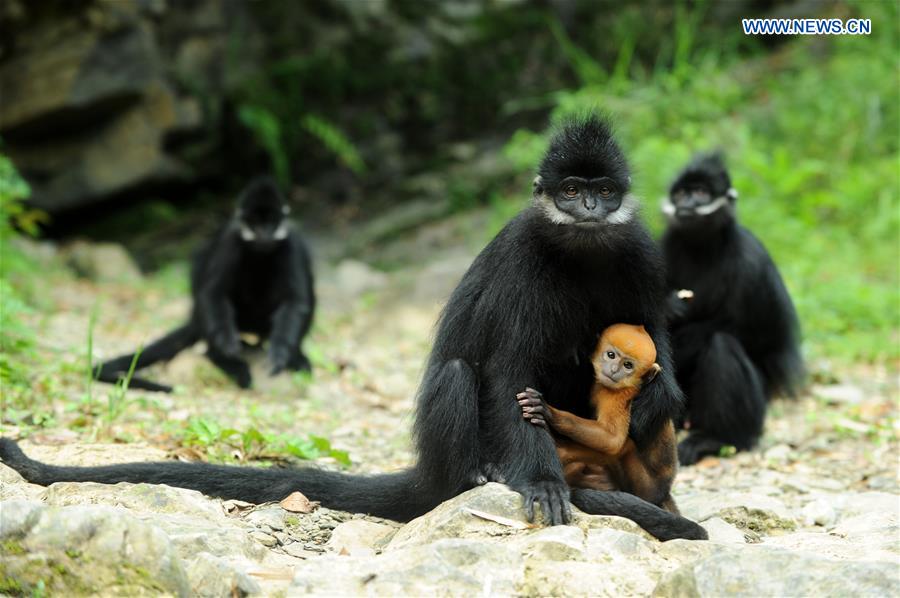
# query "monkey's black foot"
(553, 497)
(240, 373)
(696, 446)
(301, 363)
(282, 360)
(489, 473)
(534, 409)
(226, 343)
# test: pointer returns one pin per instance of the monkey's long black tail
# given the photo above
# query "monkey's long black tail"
(659, 523)
(160, 350)
(399, 496)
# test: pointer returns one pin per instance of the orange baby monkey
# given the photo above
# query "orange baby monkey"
(597, 453)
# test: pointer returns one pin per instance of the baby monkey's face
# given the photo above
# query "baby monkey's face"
(625, 357)
(615, 368)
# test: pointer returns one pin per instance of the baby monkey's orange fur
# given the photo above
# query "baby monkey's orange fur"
(597, 453)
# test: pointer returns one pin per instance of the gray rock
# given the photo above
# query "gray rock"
(721, 531)
(611, 579)
(819, 512)
(191, 536)
(557, 543)
(604, 544)
(447, 567)
(211, 576)
(86, 549)
(763, 571)
(18, 516)
(877, 545)
(140, 497)
(264, 539)
(755, 512)
(359, 537)
(101, 262)
(453, 519)
(268, 517)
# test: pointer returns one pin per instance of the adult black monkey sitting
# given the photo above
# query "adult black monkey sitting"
(527, 313)
(253, 276)
(736, 340)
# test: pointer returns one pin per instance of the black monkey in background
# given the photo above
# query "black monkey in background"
(735, 341)
(526, 313)
(253, 276)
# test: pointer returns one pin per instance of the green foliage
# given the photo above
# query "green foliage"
(267, 131)
(812, 143)
(228, 444)
(332, 138)
(17, 338)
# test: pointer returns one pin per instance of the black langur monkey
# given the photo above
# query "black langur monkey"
(526, 313)
(734, 329)
(254, 276)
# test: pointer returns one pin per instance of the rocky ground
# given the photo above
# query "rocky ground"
(813, 511)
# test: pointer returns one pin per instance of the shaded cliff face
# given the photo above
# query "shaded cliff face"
(104, 97)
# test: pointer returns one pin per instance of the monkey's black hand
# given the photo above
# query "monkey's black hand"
(534, 409)
(553, 496)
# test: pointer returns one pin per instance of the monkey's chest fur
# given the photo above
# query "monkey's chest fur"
(256, 291)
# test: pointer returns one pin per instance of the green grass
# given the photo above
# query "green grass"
(228, 445)
(811, 133)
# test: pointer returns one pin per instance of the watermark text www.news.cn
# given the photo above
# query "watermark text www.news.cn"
(806, 26)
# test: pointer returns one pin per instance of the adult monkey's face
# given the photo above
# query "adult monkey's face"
(583, 179)
(701, 196)
(581, 200)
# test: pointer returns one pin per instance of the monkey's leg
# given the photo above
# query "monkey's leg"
(446, 428)
(727, 401)
(234, 367)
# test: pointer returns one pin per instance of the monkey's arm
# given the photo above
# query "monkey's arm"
(215, 310)
(293, 317)
(606, 435)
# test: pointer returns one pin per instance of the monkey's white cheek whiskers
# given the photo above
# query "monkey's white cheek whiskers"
(281, 232)
(247, 233)
(711, 207)
(625, 212)
(553, 214)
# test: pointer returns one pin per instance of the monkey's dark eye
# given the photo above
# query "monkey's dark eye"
(570, 190)
(610, 355)
(628, 365)
(605, 191)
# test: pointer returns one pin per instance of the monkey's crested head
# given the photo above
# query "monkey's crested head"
(584, 179)
(585, 147)
(631, 339)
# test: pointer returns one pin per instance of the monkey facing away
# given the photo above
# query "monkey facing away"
(734, 329)
(597, 453)
(254, 276)
(524, 314)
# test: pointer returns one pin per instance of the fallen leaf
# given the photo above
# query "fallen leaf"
(274, 574)
(501, 520)
(232, 506)
(297, 503)
(188, 453)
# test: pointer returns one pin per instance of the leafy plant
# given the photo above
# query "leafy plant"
(332, 138)
(267, 130)
(227, 444)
